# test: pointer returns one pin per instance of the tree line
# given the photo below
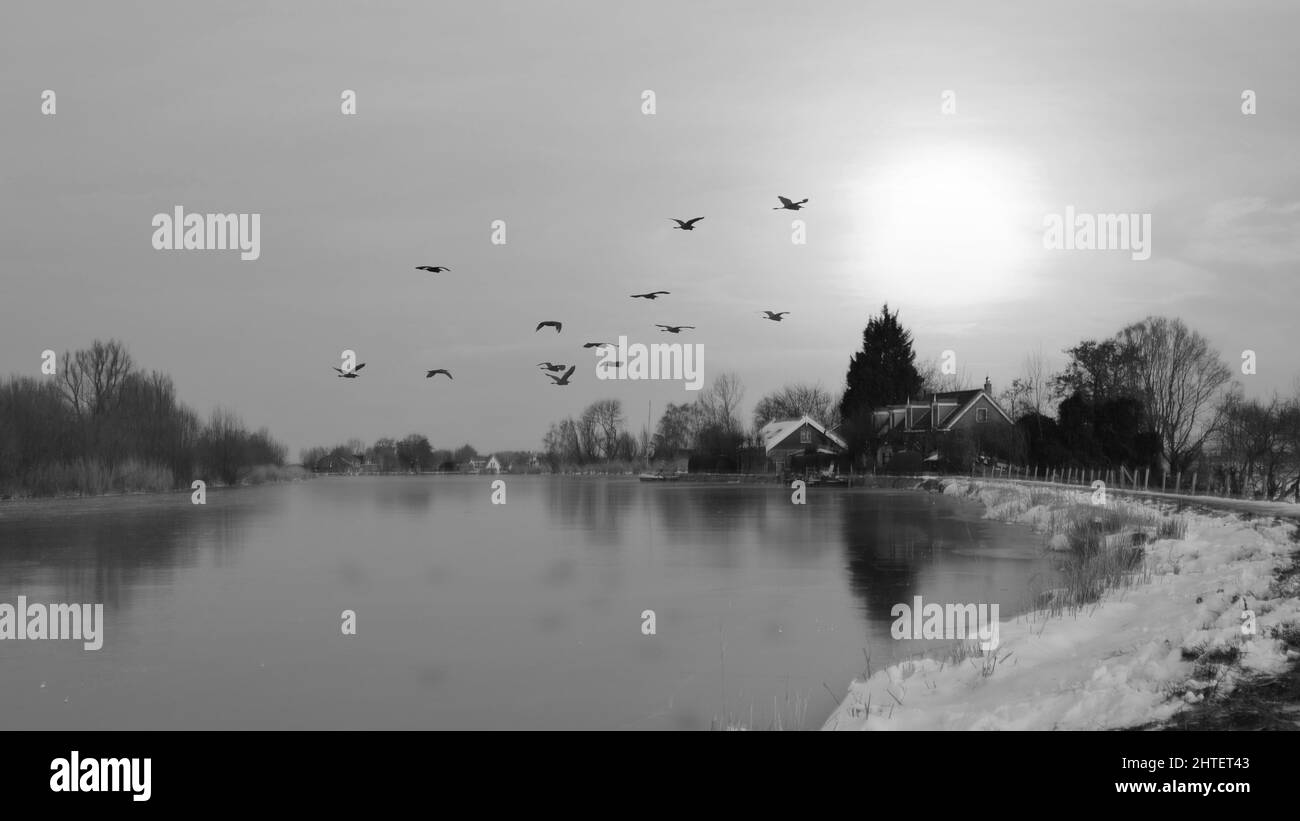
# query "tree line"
(100, 424)
(710, 431)
(1154, 395)
(410, 454)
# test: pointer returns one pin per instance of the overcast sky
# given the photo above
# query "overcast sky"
(531, 113)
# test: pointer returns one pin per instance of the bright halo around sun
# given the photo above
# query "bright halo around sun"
(947, 225)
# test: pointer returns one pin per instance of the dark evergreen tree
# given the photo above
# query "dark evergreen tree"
(883, 372)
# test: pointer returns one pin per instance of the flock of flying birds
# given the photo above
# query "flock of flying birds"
(550, 369)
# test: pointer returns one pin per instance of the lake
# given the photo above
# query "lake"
(471, 615)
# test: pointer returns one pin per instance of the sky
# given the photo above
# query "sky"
(532, 113)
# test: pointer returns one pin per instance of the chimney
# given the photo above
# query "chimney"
(988, 387)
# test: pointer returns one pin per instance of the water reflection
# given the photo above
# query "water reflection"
(473, 615)
(103, 550)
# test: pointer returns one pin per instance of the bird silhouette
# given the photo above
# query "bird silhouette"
(433, 269)
(551, 366)
(685, 225)
(651, 295)
(774, 315)
(674, 329)
(597, 344)
(548, 323)
(437, 371)
(789, 205)
(352, 374)
(562, 380)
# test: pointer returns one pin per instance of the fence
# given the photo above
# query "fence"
(1120, 478)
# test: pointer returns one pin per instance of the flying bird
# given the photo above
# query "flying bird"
(437, 371)
(774, 315)
(548, 324)
(433, 269)
(789, 205)
(685, 225)
(352, 374)
(596, 344)
(563, 380)
(551, 366)
(674, 329)
(651, 295)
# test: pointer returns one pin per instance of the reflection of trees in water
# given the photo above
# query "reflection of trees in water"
(895, 543)
(597, 507)
(720, 521)
(728, 519)
(63, 552)
(904, 545)
(409, 494)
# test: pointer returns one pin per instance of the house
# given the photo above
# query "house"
(337, 464)
(922, 424)
(492, 465)
(799, 444)
(475, 465)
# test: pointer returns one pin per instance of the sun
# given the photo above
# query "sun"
(945, 225)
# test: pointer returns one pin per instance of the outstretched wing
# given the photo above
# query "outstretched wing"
(692, 222)
(569, 372)
(340, 370)
(359, 367)
(787, 203)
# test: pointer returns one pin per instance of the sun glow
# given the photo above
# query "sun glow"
(947, 226)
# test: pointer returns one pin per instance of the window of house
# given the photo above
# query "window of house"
(981, 414)
(805, 436)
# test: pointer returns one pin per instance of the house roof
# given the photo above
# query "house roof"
(776, 431)
(957, 402)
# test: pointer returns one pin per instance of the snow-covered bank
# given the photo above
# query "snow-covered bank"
(1140, 654)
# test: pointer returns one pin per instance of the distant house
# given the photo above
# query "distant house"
(475, 465)
(798, 444)
(492, 465)
(337, 464)
(920, 424)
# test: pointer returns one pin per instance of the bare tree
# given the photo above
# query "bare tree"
(720, 402)
(92, 378)
(676, 429)
(1178, 377)
(601, 422)
(794, 401)
(934, 380)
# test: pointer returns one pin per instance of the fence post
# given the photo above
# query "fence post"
(1178, 482)
(1146, 480)
(1193, 483)
(1035, 473)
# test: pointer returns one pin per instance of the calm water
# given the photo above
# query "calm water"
(470, 615)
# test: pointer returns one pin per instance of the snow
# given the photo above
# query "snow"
(1118, 663)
